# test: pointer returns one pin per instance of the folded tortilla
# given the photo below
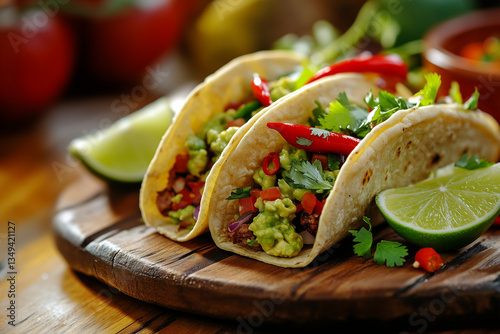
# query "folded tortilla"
(229, 84)
(404, 149)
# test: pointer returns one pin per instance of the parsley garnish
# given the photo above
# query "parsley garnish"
(364, 239)
(342, 115)
(455, 93)
(304, 175)
(333, 161)
(472, 162)
(320, 132)
(471, 103)
(429, 92)
(240, 193)
(303, 141)
(318, 113)
(389, 253)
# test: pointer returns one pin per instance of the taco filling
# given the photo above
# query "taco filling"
(180, 200)
(280, 211)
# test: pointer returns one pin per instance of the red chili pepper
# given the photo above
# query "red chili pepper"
(321, 141)
(428, 259)
(308, 202)
(385, 65)
(270, 194)
(261, 90)
(271, 163)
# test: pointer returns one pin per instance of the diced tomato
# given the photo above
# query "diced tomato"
(309, 202)
(233, 105)
(247, 204)
(319, 207)
(255, 193)
(298, 208)
(322, 158)
(197, 190)
(187, 199)
(239, 122)
(270, 194)
(181, 161)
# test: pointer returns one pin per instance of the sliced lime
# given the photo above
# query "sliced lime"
(447, 211)
(123, 151)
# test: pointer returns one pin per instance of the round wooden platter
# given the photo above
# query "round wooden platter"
(99, 231)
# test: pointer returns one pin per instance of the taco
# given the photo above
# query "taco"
(172, 196)
(307, 171)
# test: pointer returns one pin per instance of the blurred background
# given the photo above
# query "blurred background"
(71, 67)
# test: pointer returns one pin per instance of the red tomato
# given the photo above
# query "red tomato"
(197, 190)
(247, 204)
(239, 122)
(181, 161)
(187, 199)
(319, 207)
(322, 158)
(255, 193)
(36, 61)
(308, 202)
(270, 194)
(122, 48)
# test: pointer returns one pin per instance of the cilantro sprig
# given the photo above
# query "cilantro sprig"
(390, 253)
(472, 162)
(240, 193)
(304, 175)
(456, 96)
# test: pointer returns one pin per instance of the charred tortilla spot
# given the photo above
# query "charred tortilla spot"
(408, 144)
(368, 175)
(407, 166)
(398, 152)
(435, 159)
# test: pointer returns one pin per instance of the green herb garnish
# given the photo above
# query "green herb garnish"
(240, 193)
(304, 175)
(472, 162)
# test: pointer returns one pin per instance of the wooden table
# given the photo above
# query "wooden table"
(51, 298)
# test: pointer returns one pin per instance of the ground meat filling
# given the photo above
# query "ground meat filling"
(242, 235)
(309, 222)
(164, 201)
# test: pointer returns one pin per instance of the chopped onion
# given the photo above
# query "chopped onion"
(196, 212)
(179, 184)
(307, 237)
(243, 219)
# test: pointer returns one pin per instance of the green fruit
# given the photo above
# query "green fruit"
(123, 151)
(447, 211)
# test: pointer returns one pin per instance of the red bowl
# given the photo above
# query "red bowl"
(442, 46)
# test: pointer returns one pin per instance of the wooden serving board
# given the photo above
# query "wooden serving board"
(99, 231)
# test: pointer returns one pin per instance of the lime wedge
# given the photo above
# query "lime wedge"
(123, 151)
(447, 211)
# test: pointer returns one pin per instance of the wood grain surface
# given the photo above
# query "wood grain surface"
(99, 231)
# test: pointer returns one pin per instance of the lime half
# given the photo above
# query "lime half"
(447, 211)
(123, 151)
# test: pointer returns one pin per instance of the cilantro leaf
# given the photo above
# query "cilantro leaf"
(472, 162)
(333, 161)
(455, 93)
(387, 101)
(430, 89)
(342, 115)
(303, 141)
(304, 175)
(240, 193)
(471, 103)
(370, 100)
(320, 132)
(364, 239)
(251, 242)
(318, 113)
(390, 253)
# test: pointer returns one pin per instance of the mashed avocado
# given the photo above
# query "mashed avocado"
(290, 192)
(185, 214)
(218, 143)
(274, 230)
(281, 87)
(289, 153)
(264, 180)
(217, 123)
(198, 155)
